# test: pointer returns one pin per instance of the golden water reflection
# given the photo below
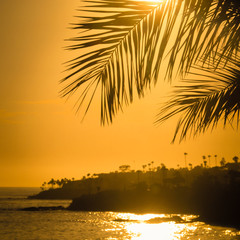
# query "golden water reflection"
(138, 227)
(166, 231)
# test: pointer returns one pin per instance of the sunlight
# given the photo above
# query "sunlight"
(139, 227)
(164, 231)
(138, 217)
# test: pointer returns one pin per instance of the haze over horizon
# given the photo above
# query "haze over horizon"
(41, 137)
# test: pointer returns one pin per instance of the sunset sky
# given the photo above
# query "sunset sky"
(41, 137)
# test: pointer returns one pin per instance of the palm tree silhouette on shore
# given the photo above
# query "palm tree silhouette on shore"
(185, 158)
(235, 159)
(223, 162)
(124, 44)
(209, 160)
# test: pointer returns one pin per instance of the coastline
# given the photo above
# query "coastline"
(143, 202)
(139, 203)
(211, 193)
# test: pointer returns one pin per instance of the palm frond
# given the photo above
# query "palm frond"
(119, 40)
(122, 44)
(205, 101)
(207, 27)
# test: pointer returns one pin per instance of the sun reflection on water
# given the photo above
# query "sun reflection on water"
(165, 231)
(138, 227)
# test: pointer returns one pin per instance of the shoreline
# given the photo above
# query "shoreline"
(211, 193)
(143, 202)
(174, 216)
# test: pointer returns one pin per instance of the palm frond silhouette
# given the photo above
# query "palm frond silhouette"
(123, 43)
(203, 102)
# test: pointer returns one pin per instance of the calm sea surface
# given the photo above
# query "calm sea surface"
(62, 224)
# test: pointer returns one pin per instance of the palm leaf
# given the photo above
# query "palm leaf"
(205, 101)
(119, 38)
(207, 27)
(122, 44)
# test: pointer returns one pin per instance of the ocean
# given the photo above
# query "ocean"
(73, 225)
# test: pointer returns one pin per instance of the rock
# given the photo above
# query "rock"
(43, 208)
(176, 219)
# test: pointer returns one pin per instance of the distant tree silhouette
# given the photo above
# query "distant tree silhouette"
(144, 166)
(149, 166)
(59, 183)
(185, 158)
(152, 162)
(215, 156)
(209, 160)
(223, 162)
(124, 168)
(43, 186)
(204, 158)
(163, 166)
(62, 181)
(52, 183)
(205, 163)
(235, 159)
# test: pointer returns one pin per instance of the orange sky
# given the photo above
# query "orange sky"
(40, 135)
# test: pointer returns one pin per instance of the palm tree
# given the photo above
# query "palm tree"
(205, 163)
(223, 162)
(52, 182)
(149, 166)
(185, 158)
(152, 162)
(124, 168)
(62, 181)
(58, 182)
(122, 44)
(144, 166)
(207, 100)
(209, 158)
(43, 186)
(190, 166)
(235, 159)
(215, 159)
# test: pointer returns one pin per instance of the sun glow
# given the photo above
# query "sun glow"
(164, 231)
(140, 227)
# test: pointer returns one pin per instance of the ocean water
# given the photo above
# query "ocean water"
(71, 225)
